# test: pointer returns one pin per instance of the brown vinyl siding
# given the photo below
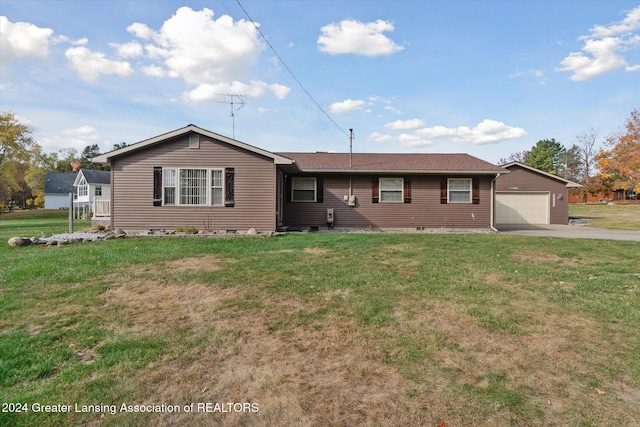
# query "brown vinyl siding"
(133, 188)
(425, 209)
(522, 180)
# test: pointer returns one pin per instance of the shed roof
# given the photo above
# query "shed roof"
(393, 163)
(59, 183)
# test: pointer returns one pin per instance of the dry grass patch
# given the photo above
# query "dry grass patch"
(205, 263)
(314, 251)
(321, 372)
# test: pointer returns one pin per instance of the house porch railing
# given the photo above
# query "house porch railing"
(101, 208)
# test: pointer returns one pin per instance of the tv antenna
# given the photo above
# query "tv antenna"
(232, 100)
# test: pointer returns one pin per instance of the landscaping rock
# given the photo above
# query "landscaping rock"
(18, 242)
(252, 232)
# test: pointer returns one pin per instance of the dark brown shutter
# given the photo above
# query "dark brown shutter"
(229, 192)
(407, 190)
(157, 186)
(475, 190)
(443, 190)
(319, 190)
(375, 190)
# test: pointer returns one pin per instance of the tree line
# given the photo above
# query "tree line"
(600, 165)
(24, 165)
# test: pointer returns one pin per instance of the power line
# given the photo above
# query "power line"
(289, 70)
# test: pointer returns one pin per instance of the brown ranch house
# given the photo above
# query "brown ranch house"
(192, 177)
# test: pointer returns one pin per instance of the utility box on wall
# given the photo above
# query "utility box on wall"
(330, 217)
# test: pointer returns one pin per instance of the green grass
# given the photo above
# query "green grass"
(617, 217)
(323, 329)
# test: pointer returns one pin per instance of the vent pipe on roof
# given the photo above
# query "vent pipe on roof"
(350, 147)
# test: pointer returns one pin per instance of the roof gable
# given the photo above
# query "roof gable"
(393, 163)
(569, 184)
(106, 158)
(93, 177)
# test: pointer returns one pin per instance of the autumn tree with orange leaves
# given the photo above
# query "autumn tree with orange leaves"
(621, 164)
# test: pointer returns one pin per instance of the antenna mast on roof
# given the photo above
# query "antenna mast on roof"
(232, 101)
(350, 147)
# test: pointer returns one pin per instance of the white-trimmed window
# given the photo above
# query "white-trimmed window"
(98, 190)
(193, 187)
(391, 190)
(169, 187)
(459, 190)
(303, 189)
(217, 187)
(83, 188)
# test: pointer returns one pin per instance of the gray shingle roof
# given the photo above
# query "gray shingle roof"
(59, 183)
(97, 177)
(392, 162)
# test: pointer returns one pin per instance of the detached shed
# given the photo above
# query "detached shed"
(529, 196)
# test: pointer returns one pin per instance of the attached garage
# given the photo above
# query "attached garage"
(529, 196)
(522, 208)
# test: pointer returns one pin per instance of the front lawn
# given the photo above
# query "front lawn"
(321, 329)
(618, 217)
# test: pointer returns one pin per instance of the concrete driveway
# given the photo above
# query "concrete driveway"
(570, 232)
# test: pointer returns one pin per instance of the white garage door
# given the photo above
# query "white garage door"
(522, 208)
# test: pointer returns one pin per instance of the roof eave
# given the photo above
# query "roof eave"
(106, 158)
(407, 171)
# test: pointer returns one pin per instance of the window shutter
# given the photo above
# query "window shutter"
(407, 190)
(475, 190)
(229, 194)
(157, 186)
(319, 189)
(443, 190)
(375, 190)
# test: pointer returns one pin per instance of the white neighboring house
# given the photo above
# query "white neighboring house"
(57, 186)
(93, 194)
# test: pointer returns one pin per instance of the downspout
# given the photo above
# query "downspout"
(493, 198)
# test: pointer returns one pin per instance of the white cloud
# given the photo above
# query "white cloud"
(254, 89)
(154, 71)
(602, 49)
(214, 55)
(439, 131)
(629, 24)
(393, 110)
(412, 141)
(405, 124)
(140, 30)
(128, 50)
(90, 65)
(346, 106)
(600, 58)
(484, 132)
(380, 137)
(76, 138)
(23, 40)
(280, 91)
(351, 36)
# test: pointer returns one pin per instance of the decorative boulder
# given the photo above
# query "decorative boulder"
(252, 232)
(17, 242)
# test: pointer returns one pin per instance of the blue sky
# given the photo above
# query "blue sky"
(488, 78)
